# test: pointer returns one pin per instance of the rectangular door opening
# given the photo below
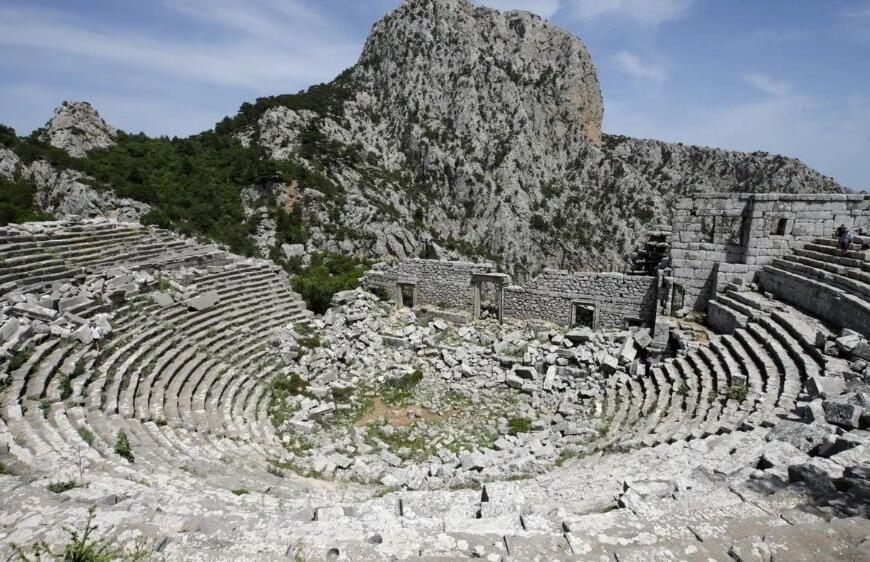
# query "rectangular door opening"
(407, 295)
(584, 315)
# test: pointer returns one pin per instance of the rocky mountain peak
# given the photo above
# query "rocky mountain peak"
(481, 71)
(76, 128)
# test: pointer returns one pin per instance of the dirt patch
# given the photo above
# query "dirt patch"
(396, 417)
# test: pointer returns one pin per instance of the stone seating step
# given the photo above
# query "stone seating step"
(829, 302)
(722, 318)
(849, 284)
(791, 376)
(806, 362)
(828, 250)
(45, 372)
(861, 275)
(216, 318)
(748, 367)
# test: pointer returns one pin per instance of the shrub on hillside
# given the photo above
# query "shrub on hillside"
(17, 203)
(326, 275)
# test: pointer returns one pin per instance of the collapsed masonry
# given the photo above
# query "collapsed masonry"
(716, 240)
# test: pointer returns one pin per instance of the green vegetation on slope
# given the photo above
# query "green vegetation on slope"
(326, 275)
(193, 184)
(17, 203)
(324, 99)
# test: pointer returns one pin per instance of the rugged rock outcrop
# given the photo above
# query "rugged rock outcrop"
(461, 131)
(482, 130)
(65, 193)
(77, 128)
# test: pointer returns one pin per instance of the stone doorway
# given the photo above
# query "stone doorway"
(584, 315)
(407, 295)
(489, 295)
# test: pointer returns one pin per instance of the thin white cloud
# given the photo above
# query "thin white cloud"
(858, 13)
(768, 84)
(642, 12)
(544, 8)
(302, 54)
(634, 65)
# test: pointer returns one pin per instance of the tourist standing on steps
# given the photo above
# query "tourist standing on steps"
(844, 237)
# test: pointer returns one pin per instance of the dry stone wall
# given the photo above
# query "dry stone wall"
(718, 238)
(439, 283)
(617, 299)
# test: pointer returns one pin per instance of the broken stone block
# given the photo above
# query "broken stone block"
(642, 338)
(72, 302)
(9, 328)
(513, 381)
(204, 302)
(628, 352)
(306, 427)
(843, 413)
(35, 311)
(84, 335)
(848, 342)
(862, 351)
(580, 335)
(811, 411)
(527, 373)
(391, 459)
(162, 299)
(322, 409)
(808, 438)
(825, 387)
(341, 461)
(609, 364)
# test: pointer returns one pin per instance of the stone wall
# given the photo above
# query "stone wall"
(439, 283)
(718, 238)
(617, 298)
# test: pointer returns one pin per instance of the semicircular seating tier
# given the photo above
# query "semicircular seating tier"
(187, 379)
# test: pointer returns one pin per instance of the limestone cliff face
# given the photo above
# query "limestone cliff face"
(77, 128)
(482, 130)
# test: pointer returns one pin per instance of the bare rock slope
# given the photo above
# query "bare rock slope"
(482, 130)
(461, 131)
(77, 128)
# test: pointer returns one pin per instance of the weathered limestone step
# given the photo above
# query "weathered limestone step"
(723, 319)
(827, 302)
(848, 284)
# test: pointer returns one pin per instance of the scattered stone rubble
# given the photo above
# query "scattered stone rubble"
(550, 378)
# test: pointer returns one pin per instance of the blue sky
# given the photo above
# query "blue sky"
(786, 76)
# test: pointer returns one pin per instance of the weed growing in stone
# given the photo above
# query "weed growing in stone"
(399, 390)
(123, 448)
(63, 486)
(86, 435)
(65, 386)
(738, 392)
(519, 425)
